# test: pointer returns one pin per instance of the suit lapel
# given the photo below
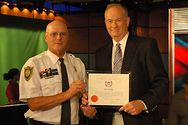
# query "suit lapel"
(108, 55)
(129, 52)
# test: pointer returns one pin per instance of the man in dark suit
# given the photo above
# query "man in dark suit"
(140, 56)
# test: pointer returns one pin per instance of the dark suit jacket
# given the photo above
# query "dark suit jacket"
(149, 80)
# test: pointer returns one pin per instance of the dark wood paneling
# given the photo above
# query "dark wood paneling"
(96, 19)
(80, 20)
(78, 40)
(98, 38)
(161, 35)
(158, 18)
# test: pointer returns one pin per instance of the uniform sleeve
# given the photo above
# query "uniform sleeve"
(29, 81)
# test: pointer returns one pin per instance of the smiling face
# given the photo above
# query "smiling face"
(117, 22)
(57, 37)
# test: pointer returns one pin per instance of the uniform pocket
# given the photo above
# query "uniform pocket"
(51, 86)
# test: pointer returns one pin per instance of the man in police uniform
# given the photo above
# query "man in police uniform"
(41, 80)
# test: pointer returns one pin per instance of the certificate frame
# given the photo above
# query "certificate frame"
(114, 104)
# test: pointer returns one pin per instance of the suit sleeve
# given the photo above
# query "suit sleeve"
(157, 75)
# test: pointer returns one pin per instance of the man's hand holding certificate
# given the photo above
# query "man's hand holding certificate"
(108, 89)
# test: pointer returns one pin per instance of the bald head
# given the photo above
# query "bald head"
(55, 23)
(57, 37)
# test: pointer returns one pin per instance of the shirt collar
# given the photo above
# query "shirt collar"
(123, 41)
(55, 58)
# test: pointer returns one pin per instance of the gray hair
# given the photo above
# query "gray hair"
(117, 5)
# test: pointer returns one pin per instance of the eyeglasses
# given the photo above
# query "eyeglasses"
(54, 34)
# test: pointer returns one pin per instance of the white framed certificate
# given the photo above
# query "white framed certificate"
(108, 89)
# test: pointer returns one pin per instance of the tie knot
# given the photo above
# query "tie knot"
(118, 44)
(61, 60)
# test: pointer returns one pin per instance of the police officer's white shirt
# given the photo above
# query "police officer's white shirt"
(37, 86)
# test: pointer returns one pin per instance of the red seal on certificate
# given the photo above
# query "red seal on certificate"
(94, 98)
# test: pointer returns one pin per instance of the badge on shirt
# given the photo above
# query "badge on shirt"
(28, 72)
(48, 73)
(75, 69)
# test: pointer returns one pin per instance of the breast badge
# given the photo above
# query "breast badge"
(75, 69)
(28, 72)
(48, 73)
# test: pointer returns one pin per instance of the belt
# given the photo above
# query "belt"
(34, 122)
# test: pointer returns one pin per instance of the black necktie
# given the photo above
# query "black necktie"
(65, 112)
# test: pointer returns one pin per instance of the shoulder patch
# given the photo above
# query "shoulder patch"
(28, 72)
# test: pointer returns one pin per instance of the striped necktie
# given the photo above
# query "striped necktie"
(117, 60)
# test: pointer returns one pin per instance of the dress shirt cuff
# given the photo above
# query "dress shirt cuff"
(145, 109)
